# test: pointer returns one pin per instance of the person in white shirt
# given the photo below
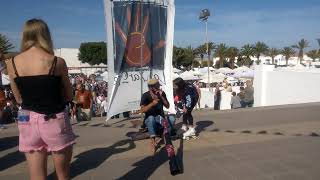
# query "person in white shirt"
(235, 101)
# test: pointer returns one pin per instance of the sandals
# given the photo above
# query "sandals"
(155, 144)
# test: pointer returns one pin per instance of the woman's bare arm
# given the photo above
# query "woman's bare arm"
(13, 85)
(66, 85)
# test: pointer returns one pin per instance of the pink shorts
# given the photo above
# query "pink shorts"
(52, 135)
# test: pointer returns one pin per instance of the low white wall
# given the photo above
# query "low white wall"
(207, 98)
(285, 87)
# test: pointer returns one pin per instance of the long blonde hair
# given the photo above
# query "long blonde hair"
(36, 33)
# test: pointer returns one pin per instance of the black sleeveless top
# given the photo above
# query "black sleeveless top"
(41, 93)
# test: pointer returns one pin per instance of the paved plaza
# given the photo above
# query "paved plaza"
(270, 143)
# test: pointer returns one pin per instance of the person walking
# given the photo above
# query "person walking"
(217, 98)
(248, 94)
(241, 96)
(189, 97)
(40, 83)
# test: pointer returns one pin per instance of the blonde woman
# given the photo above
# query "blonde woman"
(40, 83)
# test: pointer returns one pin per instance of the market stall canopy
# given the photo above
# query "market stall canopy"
(225, 70)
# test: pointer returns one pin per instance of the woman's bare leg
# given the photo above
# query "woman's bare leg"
(62, 161)
(37, 164)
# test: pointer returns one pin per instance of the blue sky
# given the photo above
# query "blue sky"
(278, 23)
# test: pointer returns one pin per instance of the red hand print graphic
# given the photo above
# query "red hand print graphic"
(136, 40)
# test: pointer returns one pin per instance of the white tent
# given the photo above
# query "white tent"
(188, 75)
(197, 73)
(213, 78)
(249, 73)
(225, 70)
(205, 69)
(174, 75)
(104, 76)
(241, 69)
(175, 70)
(5, 79)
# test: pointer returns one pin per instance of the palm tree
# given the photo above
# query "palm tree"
(202, 49)
(232, 53)
(302, 44)
(260, 48)
(189, 55)
(221, 52)
(313, 54)
(247, 51)
(177, 56)
(288, 52)
(5, 44)
(273, 52)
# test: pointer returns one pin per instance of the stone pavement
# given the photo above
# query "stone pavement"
(271, 143)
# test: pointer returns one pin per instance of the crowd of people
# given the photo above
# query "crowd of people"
(90, 97)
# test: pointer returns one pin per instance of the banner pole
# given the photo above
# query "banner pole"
(141, 52)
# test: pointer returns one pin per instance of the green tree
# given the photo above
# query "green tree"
(188, 56)
(93, 53)
(176, 56)
(196, 63)
(302, 44)
(247, 51)
(221, 52)
(182, 56)
(5, 44)
(205, 63)
(260, 48)
(232, 53)
(313, 54)
(240, 60)
(288, 52)
(273, 52)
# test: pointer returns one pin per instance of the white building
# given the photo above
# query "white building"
(70, 55)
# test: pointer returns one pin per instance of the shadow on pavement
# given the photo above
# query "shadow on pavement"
(8, 142)
(202, 125)
(95, 157)
(144, 168)
(11, 159)
(147, 166)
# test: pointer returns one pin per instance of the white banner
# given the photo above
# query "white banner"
(140, 43)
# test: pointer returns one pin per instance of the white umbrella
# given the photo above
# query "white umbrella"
(174, 76)
(175, 70)
(104, 76)
(248, 73)
(5, 79)
(213, 78)
(225, 70)
(241, 69)
(188, 75)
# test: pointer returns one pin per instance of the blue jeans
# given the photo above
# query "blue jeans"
(243, 104)
(154, 124)
(248, 104)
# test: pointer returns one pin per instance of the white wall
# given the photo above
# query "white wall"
(70, 55)
(285, 87)
(207, 98)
